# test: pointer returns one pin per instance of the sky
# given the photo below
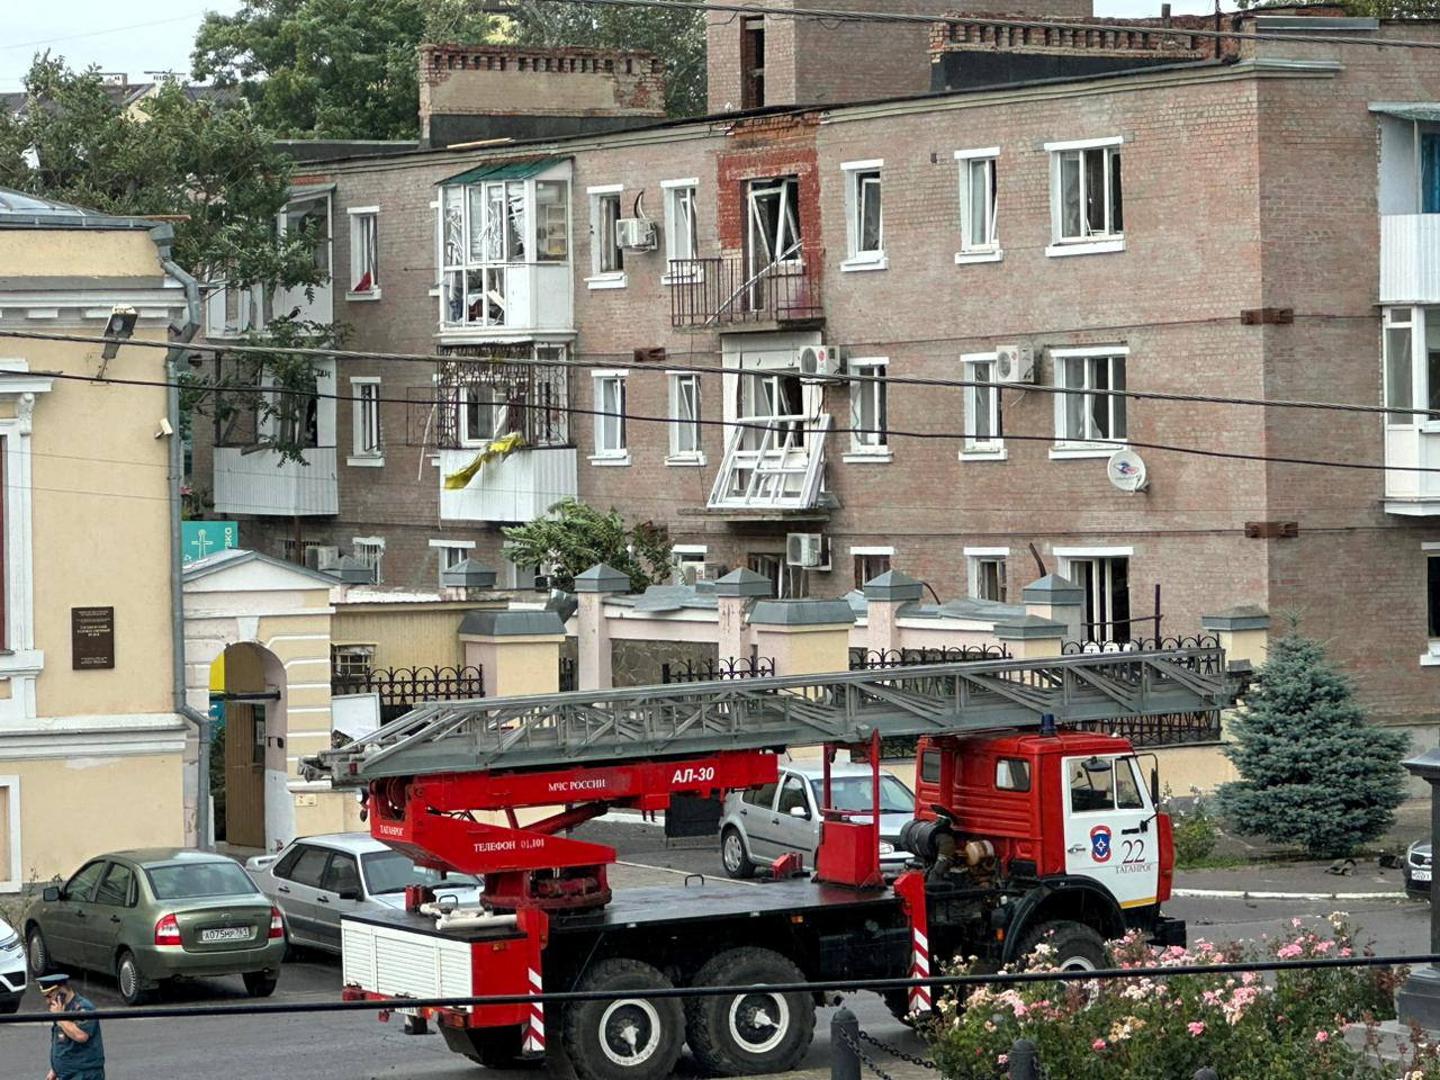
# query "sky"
(142, 36)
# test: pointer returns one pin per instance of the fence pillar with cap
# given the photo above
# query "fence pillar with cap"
(885, 595)
(594, 669)
(1057, 600)
(518, 650)
(1029, 637)
(1244, 633)
(805, 637)
(732, 593)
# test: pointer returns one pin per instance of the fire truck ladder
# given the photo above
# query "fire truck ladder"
(651, 722)
(434, 774)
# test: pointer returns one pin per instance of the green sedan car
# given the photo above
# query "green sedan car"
(150, 916)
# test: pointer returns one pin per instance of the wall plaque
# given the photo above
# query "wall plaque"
(92, 638)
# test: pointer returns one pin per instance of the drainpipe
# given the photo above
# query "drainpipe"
(164, 237)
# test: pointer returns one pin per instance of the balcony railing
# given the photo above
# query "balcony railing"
(1410, 259)
(250, 481)
(517, 488)
(728, 290)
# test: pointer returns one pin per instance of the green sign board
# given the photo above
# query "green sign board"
(201, 538)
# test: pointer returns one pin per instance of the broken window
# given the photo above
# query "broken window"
(610, 415)
(866, 228)
(1088, 193)
(977, 203)
(982, 406)
(752, 62)
(685, 417)
(774, 228)
(1087, 412)
(868, 407)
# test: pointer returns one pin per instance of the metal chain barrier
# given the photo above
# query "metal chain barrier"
(865, 1059)
(896, 1052)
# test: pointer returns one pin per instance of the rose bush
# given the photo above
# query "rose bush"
(1285, 1026)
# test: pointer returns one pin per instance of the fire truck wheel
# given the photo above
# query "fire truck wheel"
(749, 1033)
(1077, 947)
(732, 855)
(633, 1038)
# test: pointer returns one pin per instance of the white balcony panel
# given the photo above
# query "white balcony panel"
(1410, 259)
(1413, 494)
(261, 483)
(318, 306)
(518, 488)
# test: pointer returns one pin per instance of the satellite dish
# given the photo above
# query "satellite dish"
(1127, 471)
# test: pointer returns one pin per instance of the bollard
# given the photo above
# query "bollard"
(1206, 1074)
(844, 1038)
(1024, 1061)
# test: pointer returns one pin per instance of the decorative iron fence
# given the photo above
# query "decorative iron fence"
(1208, 663)
(726, 290)
(1175, 729)
(878, 659)
(735, 667)
(402, 688)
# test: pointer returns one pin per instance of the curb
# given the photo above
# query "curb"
(1247, 894)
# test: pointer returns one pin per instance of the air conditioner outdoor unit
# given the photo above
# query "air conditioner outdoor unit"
(808, 550)
(322, 558)
(1015, 364)
(635, 234)
(818, 362)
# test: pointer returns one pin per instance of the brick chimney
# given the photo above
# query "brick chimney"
(473, 92)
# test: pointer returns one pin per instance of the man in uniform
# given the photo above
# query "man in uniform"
(76, 1050)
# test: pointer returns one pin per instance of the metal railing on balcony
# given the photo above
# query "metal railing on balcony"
(729, 289)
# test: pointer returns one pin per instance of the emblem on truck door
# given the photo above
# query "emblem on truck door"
(1100, 843)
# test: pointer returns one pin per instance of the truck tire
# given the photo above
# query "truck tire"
(732, 855)
(633, 1038)
(1077, 946)
(754, 1032)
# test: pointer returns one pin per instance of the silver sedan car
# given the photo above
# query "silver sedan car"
(761, 824)
(317, 880)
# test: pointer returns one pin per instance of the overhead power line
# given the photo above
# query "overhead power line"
(710, 369)
(835, 15)
(762, 424)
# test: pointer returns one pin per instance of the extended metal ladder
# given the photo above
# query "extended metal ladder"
(637, 723)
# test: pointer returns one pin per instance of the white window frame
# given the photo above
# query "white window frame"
(683, 555)
(681, 200)
(987, 248)
(600, 278)
(974, 556)
(874, 447)
(361, 219)
(679, 456)
(376, 544)
(857, 176)
(12, 874)
(602, 455)
(467, 438)
(1066, 445)
(360, 405)
(445, 548)
(863, 550)
(973, 449)
(1087, 243)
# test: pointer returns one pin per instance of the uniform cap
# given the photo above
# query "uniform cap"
(48, 983)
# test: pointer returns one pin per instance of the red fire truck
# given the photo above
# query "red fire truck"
(1027, 830)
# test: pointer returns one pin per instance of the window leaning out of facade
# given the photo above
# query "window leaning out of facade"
(865, 229)
(364, 253)
(682, 235)
(983, 430)
(870, 562)
(869, 440)
(496, 238)
(610, 445)
(987, 573)
(1087, 204)
(979, 238)
(1087, 423)
(366, 445)
(685, 446)
(607, 258)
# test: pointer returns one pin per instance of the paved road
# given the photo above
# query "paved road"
(356, 1047)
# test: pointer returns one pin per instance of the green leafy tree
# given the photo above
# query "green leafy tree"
(339, 69)
(574, 536)
(1314, 771)
(203, 165)
(677, 37)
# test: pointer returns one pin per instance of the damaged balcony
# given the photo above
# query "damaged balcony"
(729, 291)
(504, 433)
(773, 470)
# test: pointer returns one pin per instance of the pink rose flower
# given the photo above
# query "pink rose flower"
(1196, 1028)
(1098, 1045)
(1322, 1036)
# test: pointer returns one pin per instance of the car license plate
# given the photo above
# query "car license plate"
(1417, 874)
(226, 933)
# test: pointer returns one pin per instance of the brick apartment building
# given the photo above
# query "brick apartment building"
(1085, 210)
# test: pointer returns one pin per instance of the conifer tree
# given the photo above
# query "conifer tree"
(1314, 772)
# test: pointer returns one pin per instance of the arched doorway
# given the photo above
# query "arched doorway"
(248, 764)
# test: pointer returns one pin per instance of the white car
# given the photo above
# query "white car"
(316, 880)
(12, 968)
